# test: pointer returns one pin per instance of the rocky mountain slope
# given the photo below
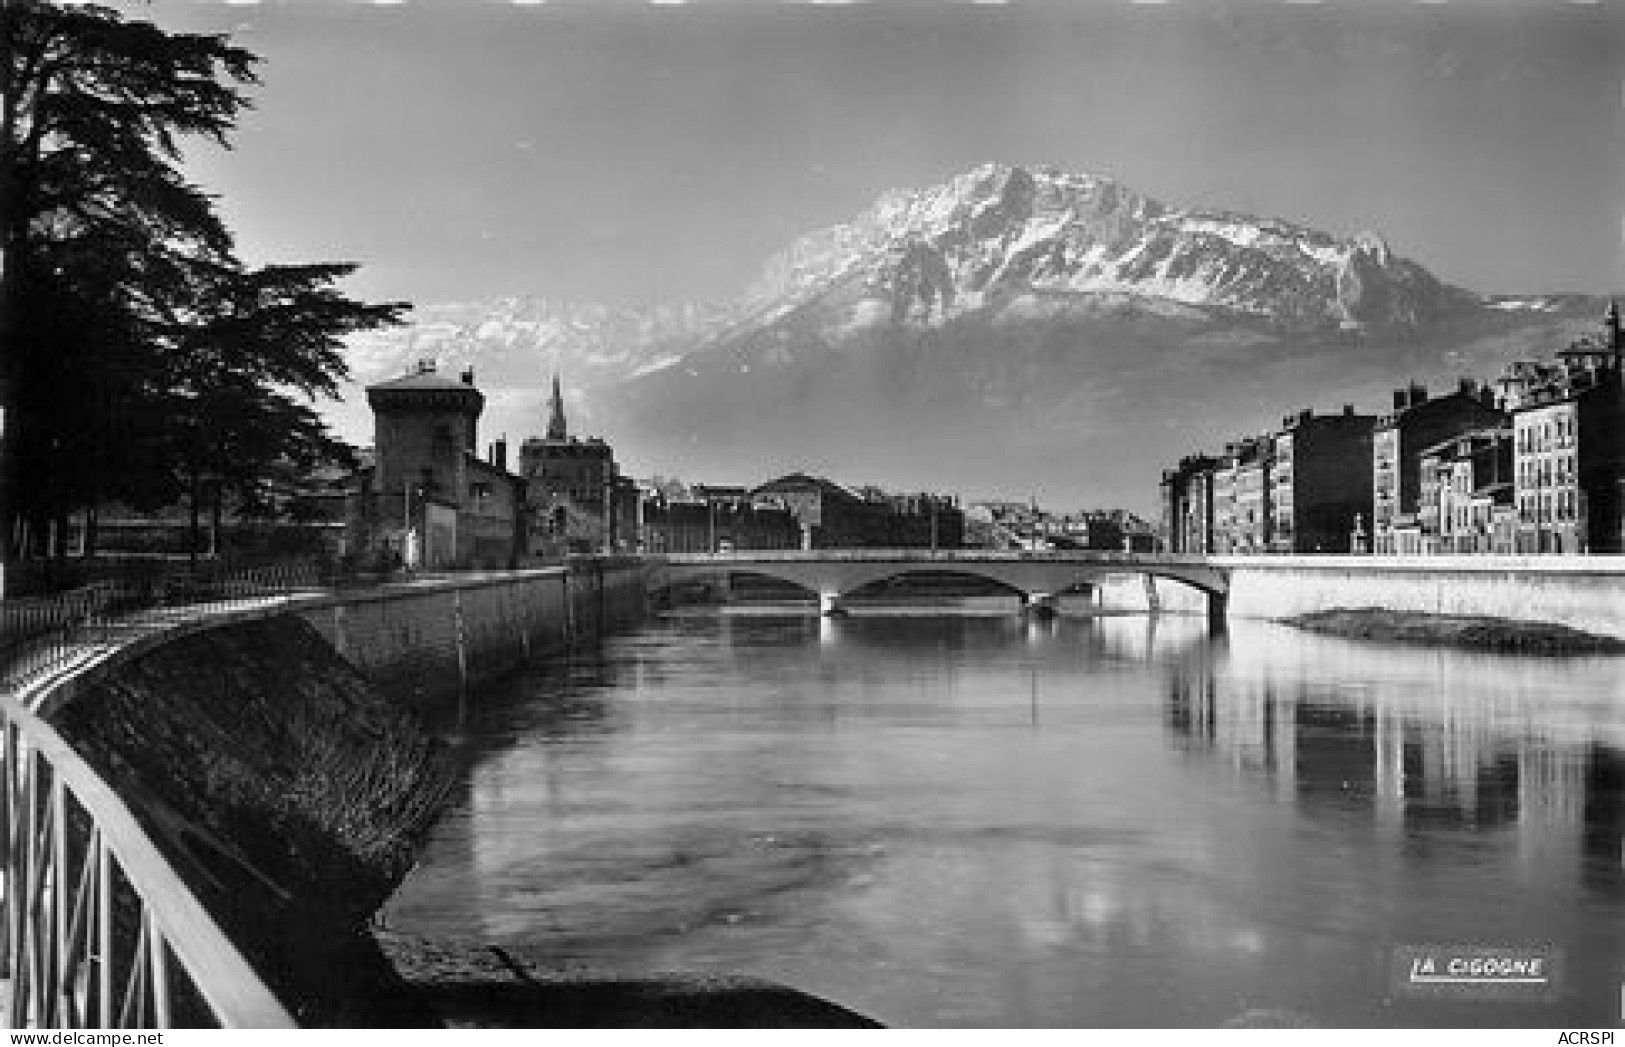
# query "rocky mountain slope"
(998, 232)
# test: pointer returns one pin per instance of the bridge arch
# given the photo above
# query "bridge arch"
(670, 578)
(923, 572)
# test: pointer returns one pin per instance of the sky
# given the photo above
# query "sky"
(640, 153)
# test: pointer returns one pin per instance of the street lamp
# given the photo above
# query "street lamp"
(408, 532)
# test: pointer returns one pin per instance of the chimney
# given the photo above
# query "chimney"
(1400, 400)
(499, 453)
(1306, 414)
(468, 376)
(1467, 387)
(1348, 410)
(1418, 394)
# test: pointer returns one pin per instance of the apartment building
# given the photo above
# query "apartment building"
(1466, 499)
(1418, 423)
(1569, 459)
(1320, 481)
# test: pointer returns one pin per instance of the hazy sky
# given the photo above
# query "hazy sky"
(622, 151)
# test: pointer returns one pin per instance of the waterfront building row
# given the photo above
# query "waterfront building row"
(1288, 491)
(1538, 469)
(428, 500)
(798, 511)
(1024, 525)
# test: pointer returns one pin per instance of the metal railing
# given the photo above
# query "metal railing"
(97, 930)
(39, 635)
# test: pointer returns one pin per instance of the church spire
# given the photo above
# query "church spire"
(555, 422)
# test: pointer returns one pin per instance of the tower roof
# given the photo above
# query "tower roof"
(425, 387)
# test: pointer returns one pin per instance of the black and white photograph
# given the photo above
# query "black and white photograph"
(812, 514)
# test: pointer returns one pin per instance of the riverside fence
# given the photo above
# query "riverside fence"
(39, 634)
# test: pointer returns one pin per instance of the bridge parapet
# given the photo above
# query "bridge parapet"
(1035, 575)
(1126, 561)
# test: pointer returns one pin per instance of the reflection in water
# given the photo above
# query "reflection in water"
(1604, 820)
(1073, 822)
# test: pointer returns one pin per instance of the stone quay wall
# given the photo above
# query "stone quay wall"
(437, 635)
(1581, 592)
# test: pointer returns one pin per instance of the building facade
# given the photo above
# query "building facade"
(1398, 440)
(578, 501)
(1466, 492)
(1251, 529)
(1187, 504)
(725, 525)
(1224, 502)
(1569, 458)
(830, 516)
(1320, 481)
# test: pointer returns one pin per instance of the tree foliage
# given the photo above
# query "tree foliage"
(258, 346)
(140, 355)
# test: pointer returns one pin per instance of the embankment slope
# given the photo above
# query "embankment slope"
(287, 790)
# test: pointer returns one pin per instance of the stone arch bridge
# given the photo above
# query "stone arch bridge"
(1037, 576)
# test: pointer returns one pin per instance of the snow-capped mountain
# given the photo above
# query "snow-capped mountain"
(1014, 330)
(997, 232)
(981, 240)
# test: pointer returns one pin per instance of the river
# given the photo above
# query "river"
(987, 821)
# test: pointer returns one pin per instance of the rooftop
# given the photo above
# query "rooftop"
(425, 383)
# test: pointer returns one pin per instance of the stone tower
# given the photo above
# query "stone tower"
(424, 432)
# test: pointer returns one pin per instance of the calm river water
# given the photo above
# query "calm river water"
(985, 821)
